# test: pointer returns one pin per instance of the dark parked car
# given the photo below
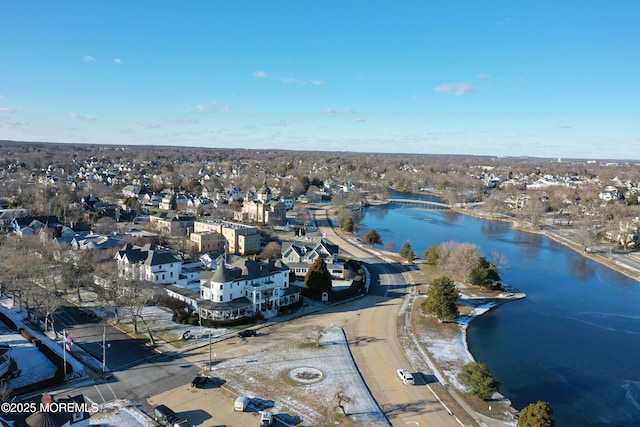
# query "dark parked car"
(247, 333)
(199, 381)
(165, 415)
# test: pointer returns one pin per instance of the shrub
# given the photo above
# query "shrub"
(477, 377)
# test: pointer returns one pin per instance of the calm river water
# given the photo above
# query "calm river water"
(574, 341)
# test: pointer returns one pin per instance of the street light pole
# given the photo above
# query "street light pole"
(104, 348)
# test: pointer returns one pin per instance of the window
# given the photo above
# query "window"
(222, 287)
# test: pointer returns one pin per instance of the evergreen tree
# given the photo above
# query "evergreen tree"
(484, 274)
(406, 251)
(537, 414)
(372, 238)
(477, 377)
(348, 225)
(318, 276)
(442, 299)
(431, 255)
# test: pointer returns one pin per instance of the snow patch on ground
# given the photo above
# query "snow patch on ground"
(332, 358)
(121, 413)
(32, 365)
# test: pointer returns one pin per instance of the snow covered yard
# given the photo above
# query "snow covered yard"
(303, 381)
(32, 365)
(120, 413)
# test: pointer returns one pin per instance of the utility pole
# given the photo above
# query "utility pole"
(209, 349)
(64, 352)
(105, 346)
(104, 349)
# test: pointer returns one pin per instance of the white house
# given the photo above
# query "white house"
(150, 263)
(245, 289)
(299, 256)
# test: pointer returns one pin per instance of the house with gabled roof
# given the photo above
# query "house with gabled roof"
(300, 255)
(35, 222)
(246, 288)
(63, 412)
(149, 262)
(261, 208)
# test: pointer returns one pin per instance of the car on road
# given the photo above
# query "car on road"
(405, 376)
(165, 415)
(199, 381)
(266, 419)
(240, 403)
(247, 333)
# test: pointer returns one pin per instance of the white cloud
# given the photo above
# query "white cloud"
(291, 80)
(6, 111)
(151, 125)
(329, 112)
(12, 124)
(83, 117)
(360, 120)
(260, 75)
(212, 107)
(88, 58)
(456, 89)
(483, 76)
(183, 121)
(117, 61)
(282, 123)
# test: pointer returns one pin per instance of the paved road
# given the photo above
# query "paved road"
(138, 371)
(376, 350)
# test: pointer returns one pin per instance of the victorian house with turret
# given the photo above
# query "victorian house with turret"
(259, 207)
(246, 288)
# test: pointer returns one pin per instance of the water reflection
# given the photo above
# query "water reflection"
(610, 276)
(528, 243)
(378, 212)
(494, 228)
(450, 217)
(579, 266)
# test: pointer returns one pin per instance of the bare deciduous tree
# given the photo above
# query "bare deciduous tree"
(457, 259)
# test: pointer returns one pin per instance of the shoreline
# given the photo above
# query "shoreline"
(620, 267)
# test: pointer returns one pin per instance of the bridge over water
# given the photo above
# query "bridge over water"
(422, 203)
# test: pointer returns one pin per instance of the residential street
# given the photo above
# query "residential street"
(138, 371)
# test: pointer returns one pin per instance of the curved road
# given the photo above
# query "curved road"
(374, 345)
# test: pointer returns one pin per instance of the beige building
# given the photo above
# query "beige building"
(212, 236)
(260, 208)
(172, 224)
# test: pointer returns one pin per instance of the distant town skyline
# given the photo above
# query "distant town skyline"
(501, 78)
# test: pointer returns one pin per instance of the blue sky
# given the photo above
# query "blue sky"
(543, 78)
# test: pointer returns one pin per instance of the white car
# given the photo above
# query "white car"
(405, 376)
(266, 419)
